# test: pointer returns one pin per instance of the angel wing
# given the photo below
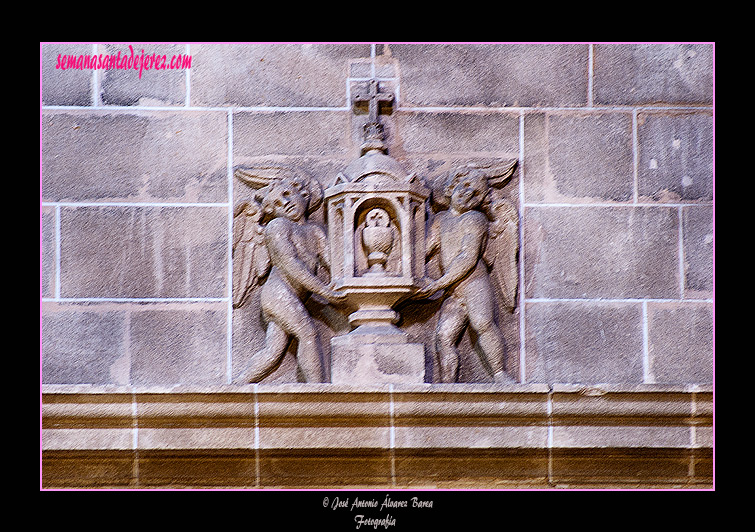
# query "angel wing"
(502, 249)
(251, 261)
(500, 173)
(261, 177)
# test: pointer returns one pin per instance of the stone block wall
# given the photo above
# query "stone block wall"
(614, 190)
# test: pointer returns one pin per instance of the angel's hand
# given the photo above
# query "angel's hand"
(334, 297)
(429, 287)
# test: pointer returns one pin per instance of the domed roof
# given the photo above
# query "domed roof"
(375, 166)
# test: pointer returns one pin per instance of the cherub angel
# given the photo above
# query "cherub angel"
(470, 245)
(278, 249)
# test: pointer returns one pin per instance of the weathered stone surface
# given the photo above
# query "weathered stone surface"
(224, 423)
(48, 243)
(578, 157)
(179, 346)
(521, 75)
(65, 86)
(144, 86)
(361, 362)
(614, 418)
(681, 342)
(218, 468)
(134, 156)
(323, 435)
(584, 342)
(494, 417)
(644, 435)
(331, 468)
(675, 157)
(316, 134)
(626, 402)
(640, 74)
(428, 132)
(82, 344)
(90, 469)
(144, 252)
(272, 74)
(635, 437)
(698, 233)
(600, 252)
(614, 191)
(86, 405)
(476, 468)
(625, 469)
(323, 417)
(122, 343)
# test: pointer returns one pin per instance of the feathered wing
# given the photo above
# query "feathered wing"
(261, 176)
(503, 248)
(500, 173)
(251, 261)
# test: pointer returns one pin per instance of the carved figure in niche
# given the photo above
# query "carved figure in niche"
(280, 250)
(469, 244)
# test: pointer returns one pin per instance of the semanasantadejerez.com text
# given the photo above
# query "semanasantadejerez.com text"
(126, 61)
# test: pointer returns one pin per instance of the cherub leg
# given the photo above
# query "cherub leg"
(295, 320)
(489, 336)
(451, 324)
(265, 361)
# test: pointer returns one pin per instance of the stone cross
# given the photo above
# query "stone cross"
(373, 97)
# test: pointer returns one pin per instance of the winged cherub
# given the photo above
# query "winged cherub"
(469, 244)
(273, 238)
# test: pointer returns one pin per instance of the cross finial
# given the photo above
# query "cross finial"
(373, 97)
(373, 129)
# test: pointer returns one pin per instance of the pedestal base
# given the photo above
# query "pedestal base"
(376, 355)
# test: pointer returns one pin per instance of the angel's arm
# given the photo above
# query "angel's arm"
(284, 256)
(474, 230)
(323, 252)
(433, 239)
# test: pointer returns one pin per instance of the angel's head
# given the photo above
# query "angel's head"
(286, 198)
(282, 191)
(467, 188)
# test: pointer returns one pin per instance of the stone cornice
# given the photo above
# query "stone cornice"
(457, 435)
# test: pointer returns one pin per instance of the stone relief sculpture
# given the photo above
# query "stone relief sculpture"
(279, 251)
(376, 252)
(469, 245)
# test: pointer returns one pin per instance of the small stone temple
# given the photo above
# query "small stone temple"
(359, 266)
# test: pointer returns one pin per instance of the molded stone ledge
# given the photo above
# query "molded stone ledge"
(341, 436)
